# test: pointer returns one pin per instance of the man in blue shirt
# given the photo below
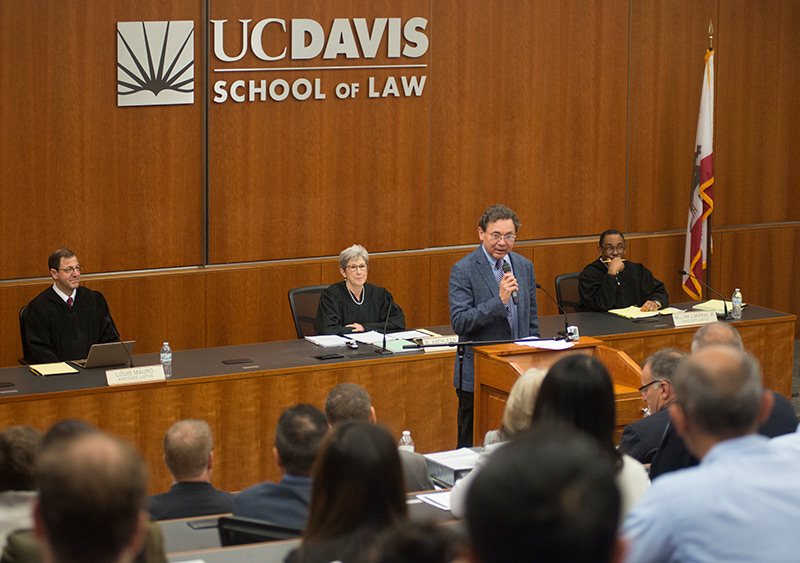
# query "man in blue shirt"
(742, 503)
(297, 441)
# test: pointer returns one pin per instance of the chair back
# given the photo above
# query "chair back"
(238, 530)
(23, 314)
(304, 302)
(567, 292)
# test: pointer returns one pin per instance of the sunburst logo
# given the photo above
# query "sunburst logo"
(155, 63)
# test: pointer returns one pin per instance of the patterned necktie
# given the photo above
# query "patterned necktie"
(498, 272)
(69, 302)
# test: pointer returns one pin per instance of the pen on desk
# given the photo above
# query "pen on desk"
(11, 391)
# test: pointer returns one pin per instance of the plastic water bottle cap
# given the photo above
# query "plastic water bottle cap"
(406, 433)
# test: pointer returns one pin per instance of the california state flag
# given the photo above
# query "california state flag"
(701, 204)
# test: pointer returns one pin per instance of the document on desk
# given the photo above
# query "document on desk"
(633, 312)
(327, 340)
(56, 368)
(546, 344)
(714, 305)
(370, 337)
(439, 500)
(462, 458)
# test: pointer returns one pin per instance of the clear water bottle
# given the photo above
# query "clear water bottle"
(406, 443)
(736, 310)
(166, 359)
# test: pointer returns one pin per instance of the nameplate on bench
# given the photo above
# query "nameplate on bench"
(692, 318)
(141, 374)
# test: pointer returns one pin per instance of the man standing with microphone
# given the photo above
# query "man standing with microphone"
(492, 297)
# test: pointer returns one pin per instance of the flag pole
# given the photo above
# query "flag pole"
(710, 35)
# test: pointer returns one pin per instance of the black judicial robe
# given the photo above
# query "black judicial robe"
(56, 333)
(634, 285)
(337, 309)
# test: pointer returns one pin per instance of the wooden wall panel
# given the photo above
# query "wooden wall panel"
(407, 279)
(758, 125)
(762, 264)
(556, 258)
(252, 305)
(154, 309)
(120, 186)
(663, 255)
(529, 110)
(12, 298)
(668, 43)
(318, 173)
(441, 264)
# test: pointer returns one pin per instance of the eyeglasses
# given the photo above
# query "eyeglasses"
(643, 387)
(71, 269)
(619, 248)
(497, 236)
(356, 267)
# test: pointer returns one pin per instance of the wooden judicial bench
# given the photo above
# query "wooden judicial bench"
(498, 367)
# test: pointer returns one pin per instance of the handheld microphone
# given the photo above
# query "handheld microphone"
(514, 294)
(567, 334)
(383, 351)
(119, 339)
(727, 315)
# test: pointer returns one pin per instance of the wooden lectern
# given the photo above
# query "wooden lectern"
(498, 367)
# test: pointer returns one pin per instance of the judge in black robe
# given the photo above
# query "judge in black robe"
(57, 332)
(611, 282)
(353, 305)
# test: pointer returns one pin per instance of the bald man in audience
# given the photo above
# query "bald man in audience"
(349, 401)
(91, 504)
(672, 453)
(189, 455)
(742, 503)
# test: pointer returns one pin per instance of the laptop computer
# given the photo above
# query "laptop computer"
(108, 354)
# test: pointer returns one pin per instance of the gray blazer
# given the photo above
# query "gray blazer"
(476, 311)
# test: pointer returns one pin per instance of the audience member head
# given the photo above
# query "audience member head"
(348, 401)
(188, 446)
(91, 499)
(355, 252)
(519, 406)
(717, 333)
(19, 446)
(657, 372)
(546, 496)
(719, 396)
(578, 392)
(67, 428)
(357, 482)
(416, 542)
(298, 437)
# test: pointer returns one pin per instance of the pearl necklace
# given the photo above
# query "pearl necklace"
(353, 296)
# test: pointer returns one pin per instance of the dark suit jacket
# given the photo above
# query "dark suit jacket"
(478, 313)
(640, 439)
(188, 499)
(284, 503)
(673, 455)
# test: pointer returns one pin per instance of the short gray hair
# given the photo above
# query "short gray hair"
(716, 333)
(353, 253)
(664, 363)
(720, 390)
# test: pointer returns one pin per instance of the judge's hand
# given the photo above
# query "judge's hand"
(507, 285)
(356, 327)
(616, 266)
(649, 306)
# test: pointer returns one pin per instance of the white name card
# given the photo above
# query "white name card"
(692, 318)
(140, 374)
(427, 342)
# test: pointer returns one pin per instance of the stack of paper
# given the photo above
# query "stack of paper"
(327, 340)
(715, 305)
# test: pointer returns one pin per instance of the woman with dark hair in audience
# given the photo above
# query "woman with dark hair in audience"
(357, 493)
(578, 392)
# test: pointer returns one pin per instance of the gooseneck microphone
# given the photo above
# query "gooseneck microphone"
(565, 334)
(383, 351)
(727, 316)
(514, 294)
